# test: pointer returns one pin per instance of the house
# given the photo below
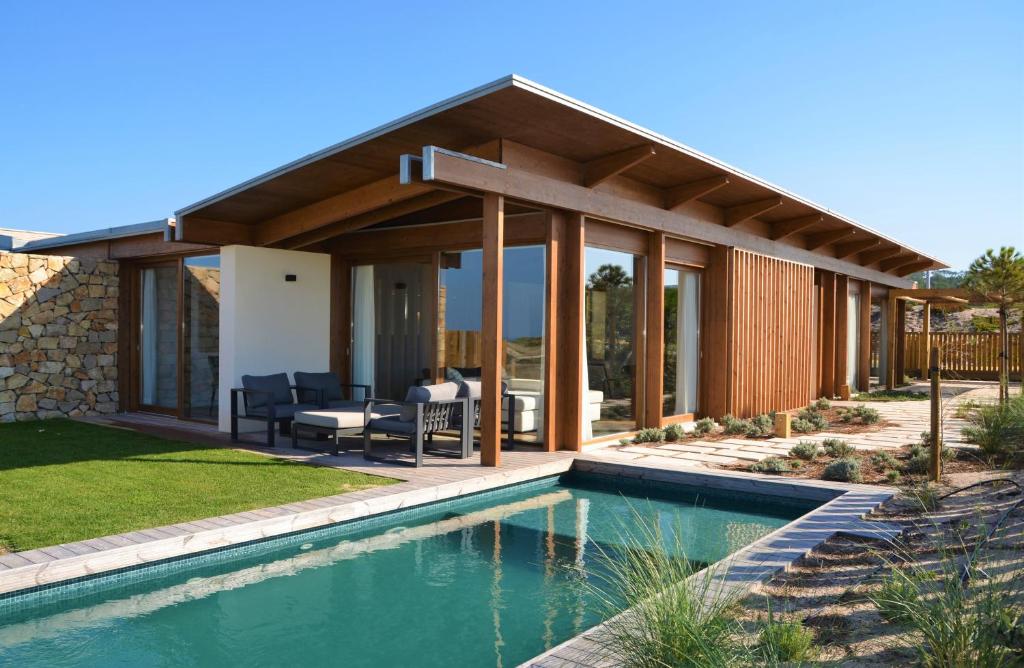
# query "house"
(613, 278)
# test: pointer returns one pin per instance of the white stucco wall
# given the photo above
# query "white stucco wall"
(268, 325)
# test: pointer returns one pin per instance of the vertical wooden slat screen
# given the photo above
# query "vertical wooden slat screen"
(771, 331)
(966, 355)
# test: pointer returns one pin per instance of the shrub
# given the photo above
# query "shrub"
(771, 465)
(998, 429)
(704, 426)
(843, 470)
(781, 642)
(734, 425)
(866, 414)
(801, 426)
(926, 497)
(813, 416)
(675, 618)
(761, 425)
(890, 395)
(883, 460)
(896, 596)
(649, 435)
(920, 459)
(673, 432)
(835, 447)
(846, 415)
(805, 450)
(892, 475)
(822, 404)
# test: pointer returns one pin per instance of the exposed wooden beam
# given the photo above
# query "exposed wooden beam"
(898, 261)
(525, 185)
(193, 229)
(816, 241)
(601, 169)
(903, 270)
(687, 192)
(364, 220)
(852, 247)
(735, 215)
(785, 228)
(873, 256)
(961, 295)
(351, 203)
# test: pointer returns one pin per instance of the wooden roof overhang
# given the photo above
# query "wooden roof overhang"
(575, 153)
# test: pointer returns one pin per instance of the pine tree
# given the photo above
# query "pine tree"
(999, 278)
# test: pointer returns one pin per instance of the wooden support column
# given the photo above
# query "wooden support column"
(842, 359)
(554, 327)
(341, 318)
(491, 353)
(901, 340)
(827, 342)
(890, 343)
(654, 375)
(925, 344)
(716, 338)
(569, 388)
(864, 355)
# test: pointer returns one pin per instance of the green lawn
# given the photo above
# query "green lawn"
(890, 395)
(62, 481)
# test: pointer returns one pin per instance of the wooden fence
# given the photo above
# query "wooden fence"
(971, 356)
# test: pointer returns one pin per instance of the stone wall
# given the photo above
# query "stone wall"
(58, 336)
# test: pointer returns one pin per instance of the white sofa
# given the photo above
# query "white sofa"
(529, 408)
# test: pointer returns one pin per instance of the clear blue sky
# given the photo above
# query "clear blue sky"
(907, 116)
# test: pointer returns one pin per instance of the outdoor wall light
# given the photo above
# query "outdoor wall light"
(290, 278)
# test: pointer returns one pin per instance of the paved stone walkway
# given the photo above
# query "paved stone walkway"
(909, 419)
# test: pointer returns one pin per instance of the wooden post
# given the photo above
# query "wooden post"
(864, 354)
(654, 373)
(842, 333)
(491, 357)
(936, 425)
(890, 343)
(571, 350)
(783, 425)
(901, 340)
(926, 329)
(554, 329)
(828, 335)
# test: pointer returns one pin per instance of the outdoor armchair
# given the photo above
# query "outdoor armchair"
(426, 410)
(326, 390)
(267, 398)
(471, 390)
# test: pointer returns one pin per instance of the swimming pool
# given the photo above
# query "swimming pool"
(487, 580)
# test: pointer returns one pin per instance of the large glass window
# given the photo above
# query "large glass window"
(682, 342)
(201, 330)
(158, 336)
(459, 328)
(614, 336)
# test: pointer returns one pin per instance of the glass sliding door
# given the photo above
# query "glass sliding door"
(201, 332)
(391, 335)
(682, 342)
(158, 337)
(523, 312)
(613, 320)
(853, 342)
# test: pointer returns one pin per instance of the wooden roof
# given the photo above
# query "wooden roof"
(519, 110)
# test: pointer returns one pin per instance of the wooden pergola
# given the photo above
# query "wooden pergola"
(897, 323)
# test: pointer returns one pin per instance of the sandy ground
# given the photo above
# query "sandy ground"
(827, 590)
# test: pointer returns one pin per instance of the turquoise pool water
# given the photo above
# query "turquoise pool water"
(490, 580)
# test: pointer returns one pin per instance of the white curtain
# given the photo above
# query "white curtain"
(149, 337)
(688, 346)
(587, 428)
(853, 341)
(363, 327)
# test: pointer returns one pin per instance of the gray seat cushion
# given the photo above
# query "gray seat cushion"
(393, 425)
(281, 410)
(472, 389)
(327, 382)
(277, 384)
(421, 394)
